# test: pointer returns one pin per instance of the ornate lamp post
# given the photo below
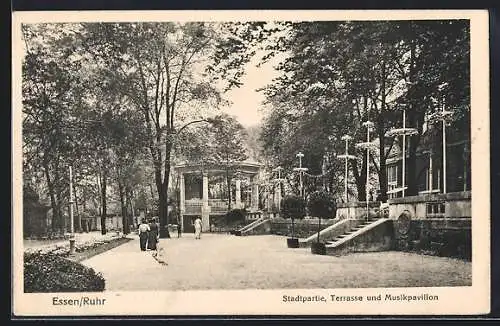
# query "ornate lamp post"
(402, 132)
(368, 146)
(301, 170)
(444, 116)
(346, 157)
(238, 178)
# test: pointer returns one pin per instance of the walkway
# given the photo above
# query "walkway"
(264, 262)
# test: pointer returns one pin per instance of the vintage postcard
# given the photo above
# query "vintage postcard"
(251, 163)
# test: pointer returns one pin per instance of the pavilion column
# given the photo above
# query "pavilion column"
(182, 199)
(182, 193)
(277, 193)
(205, 209)
(238, 194)
(255, 194)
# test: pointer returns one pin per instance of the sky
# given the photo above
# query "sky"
(247, 106)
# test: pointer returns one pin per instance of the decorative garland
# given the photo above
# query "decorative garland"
(319, 175)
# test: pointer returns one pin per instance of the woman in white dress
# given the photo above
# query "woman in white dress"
(197, 228)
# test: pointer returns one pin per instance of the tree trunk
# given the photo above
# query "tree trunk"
(411, 163)
(163, 212)
(163, 195)
(360, 178)
(78, 217)
(99, 202)
(58, 194)
(382, 172)
(103, 199)
(130, 213)
(55, 211)
(130, 198)
(123, 204)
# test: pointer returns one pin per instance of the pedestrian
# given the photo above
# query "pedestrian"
(179, 229)
(143, 234)
(197, 228)
(153, 234)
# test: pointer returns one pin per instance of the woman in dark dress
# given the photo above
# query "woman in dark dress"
(143, 234)
(153, 235)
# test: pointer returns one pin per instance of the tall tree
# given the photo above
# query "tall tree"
(49, 89)
(155, 65)
(228, 149)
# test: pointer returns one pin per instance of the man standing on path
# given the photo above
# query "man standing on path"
(197, 228)
(143, 234)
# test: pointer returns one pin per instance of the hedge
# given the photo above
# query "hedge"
(52, 273)
(236, 215)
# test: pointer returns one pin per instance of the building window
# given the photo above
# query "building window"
(435, 209)
(392, 180)
(392, 174)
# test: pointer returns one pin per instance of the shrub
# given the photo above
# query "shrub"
(321, 204)
(235, 215)
(293, 207)
(52, 273)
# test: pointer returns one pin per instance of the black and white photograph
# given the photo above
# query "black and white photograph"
(251, 163)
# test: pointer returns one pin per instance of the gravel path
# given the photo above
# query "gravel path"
(264, 262)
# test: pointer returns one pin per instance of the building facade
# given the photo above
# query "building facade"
(429, 169)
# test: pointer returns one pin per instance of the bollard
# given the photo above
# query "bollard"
(71, 245)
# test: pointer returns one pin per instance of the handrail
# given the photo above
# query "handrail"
(250, 225)
(264, 220)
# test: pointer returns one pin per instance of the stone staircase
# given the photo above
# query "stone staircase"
(328, 233)
(373, 234)
(352, 230)
(262, 227)
(247, 228)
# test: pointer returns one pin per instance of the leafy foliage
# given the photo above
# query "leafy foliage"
(52, 273)
(98, 95)
(336, 75)
(293, 207)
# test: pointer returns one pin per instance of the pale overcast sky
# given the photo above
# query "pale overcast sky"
(246, 100)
